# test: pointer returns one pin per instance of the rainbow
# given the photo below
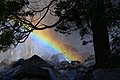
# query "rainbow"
(47, 38)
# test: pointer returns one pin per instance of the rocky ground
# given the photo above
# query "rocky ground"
(36, 68)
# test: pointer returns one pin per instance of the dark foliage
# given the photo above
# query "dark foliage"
(114, 60)
(80, 17)
(96, 18)
(91, 17)
(19, 18)
(12, 30)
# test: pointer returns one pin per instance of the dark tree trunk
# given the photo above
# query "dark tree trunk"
(100, 35)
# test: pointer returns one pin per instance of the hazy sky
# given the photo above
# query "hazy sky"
(29, 48)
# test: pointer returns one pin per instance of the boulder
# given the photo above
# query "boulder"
(106, 74)
(29, 69)
(35, 60)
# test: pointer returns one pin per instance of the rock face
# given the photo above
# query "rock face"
(107, 74)
(34, 60)
(30, 69)
(36, 68)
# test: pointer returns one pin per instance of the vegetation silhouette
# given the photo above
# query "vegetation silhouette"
(98, 18)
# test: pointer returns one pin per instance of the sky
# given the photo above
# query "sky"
(72, 44)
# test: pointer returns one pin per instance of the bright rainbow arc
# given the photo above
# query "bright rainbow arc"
(48, 39)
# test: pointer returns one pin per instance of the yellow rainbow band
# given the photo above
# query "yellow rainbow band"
(47, 37)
